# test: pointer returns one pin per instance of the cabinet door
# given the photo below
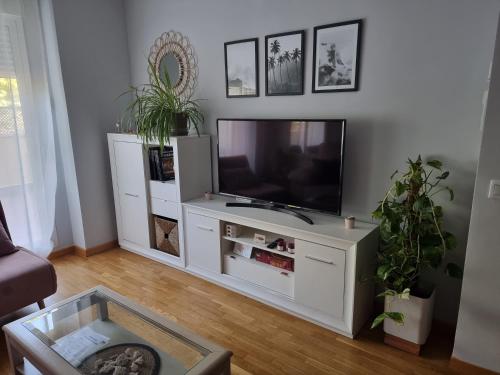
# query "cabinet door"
(131, 186)
(319, 277)
(203, 242)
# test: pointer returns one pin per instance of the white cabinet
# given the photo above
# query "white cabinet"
(203, 242)
(319, 277)
(130, 193)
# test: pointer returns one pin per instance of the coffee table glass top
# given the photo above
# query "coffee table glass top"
(95, 330)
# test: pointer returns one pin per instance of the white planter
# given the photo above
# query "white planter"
(418, 313)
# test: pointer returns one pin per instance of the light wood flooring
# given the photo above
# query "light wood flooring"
(264, 340)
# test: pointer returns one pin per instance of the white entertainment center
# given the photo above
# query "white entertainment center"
(331, 282)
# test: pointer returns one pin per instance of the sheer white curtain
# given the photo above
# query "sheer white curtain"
(28, 176)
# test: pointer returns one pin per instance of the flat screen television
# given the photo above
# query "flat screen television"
(293, 163)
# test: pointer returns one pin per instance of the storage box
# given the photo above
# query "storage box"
(263, 256)
(167, 235)
(274, 260)
(233, 230)
(281, 262)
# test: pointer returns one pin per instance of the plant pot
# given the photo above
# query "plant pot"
(413, 333)
(181, 125)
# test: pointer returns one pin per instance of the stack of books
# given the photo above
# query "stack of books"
(161, 163)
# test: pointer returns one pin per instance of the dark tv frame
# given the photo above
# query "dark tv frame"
(281, 204)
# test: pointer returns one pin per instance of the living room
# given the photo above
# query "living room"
(264, 229)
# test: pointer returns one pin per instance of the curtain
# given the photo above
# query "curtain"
(28, 176)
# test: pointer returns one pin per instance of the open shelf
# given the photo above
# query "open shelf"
(245, 240)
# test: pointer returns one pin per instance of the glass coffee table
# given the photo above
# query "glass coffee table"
(101, 332)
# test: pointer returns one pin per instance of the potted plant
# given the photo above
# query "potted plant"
(159, 112)
(412, 239)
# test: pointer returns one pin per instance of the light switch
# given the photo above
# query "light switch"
(494, 189)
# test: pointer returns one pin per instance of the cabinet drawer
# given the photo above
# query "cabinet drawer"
(165, 208)
(269, 277)
(163, 190)
(319, 275)
(203, 242)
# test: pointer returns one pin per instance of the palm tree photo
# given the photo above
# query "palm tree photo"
(284, 63)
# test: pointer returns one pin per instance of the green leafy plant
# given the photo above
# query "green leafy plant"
(412, 237)
(157, 110)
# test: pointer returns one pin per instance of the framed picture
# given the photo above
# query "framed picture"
(336, 55)
(284, 63)
(242, 68)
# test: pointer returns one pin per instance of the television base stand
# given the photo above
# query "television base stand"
(271, 207)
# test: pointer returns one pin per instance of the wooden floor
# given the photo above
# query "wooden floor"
(264, 340)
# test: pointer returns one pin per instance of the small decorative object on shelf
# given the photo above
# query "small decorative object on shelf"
(233, 230)
(273, 244)
(349, 222)
(281, 245)
(290, 247)
(208, 195)
(243, 250)
(259, 238)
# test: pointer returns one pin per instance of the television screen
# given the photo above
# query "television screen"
(288, 162)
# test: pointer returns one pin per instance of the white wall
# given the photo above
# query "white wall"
(424, 67)
(95, 65)
(478, 331)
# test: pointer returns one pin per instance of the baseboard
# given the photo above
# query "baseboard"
(61, 252)
(96, 249)
(81, 252)
(468, 368)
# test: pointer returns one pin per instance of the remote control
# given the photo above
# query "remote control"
(273, 244)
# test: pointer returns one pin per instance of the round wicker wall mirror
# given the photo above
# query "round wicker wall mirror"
(172, 54)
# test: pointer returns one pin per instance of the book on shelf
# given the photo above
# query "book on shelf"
(161, 164)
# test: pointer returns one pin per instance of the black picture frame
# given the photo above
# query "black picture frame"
(355, 85)
(302, 34)
(256, 45)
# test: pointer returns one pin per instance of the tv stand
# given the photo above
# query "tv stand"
(272, 207)
(330, 281)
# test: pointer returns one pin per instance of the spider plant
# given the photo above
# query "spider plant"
(159, 112)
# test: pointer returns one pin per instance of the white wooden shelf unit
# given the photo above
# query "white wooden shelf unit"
(333, 266)
(137, 198)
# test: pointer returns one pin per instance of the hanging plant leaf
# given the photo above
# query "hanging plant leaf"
(443, 176)
(435, 164)
(454, 270)
(396, 316)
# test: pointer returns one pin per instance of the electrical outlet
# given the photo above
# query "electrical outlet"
(494, 192)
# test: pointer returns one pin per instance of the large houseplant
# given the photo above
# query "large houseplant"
(412, 240)
(159, 112)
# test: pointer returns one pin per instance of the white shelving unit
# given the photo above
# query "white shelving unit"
(330, 284)
(137, 198)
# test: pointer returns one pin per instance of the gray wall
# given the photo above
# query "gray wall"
(479, 316)
(95, 65)
(424, 67)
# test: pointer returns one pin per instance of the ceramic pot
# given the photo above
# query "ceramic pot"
(181, 125)
(418, 313)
